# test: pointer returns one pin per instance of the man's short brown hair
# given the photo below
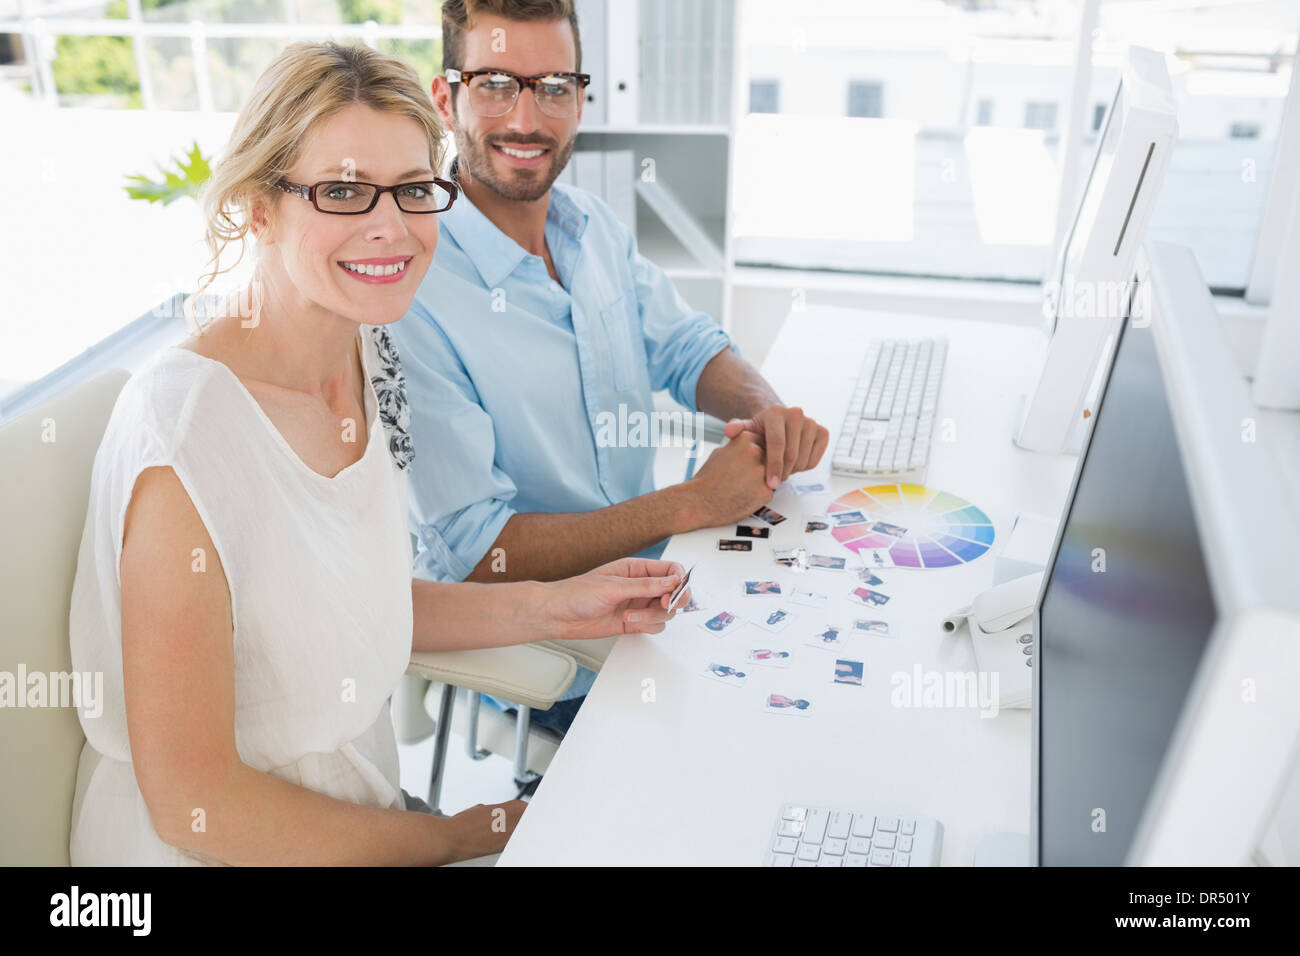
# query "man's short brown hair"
(458, 16)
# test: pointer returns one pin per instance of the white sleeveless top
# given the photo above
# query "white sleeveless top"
(319, 573)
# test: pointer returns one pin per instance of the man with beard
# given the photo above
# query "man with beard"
(539, 322)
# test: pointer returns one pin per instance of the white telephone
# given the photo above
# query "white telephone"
(1002, 632)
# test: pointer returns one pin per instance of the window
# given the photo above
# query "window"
(1098, 116)
(1230, 65)
(934, 188)
(764, 96)
(866, 99)
(1040, 116)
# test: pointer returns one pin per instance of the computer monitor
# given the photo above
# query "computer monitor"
(1167, 632)
(1277, 371)
(1088, 291)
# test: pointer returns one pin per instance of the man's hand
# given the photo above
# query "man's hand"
(791, 441)
(732, 483)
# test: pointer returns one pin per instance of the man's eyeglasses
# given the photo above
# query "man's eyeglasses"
(356, 199)
(494, 92)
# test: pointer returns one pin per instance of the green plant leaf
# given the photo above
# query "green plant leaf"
(188, 173)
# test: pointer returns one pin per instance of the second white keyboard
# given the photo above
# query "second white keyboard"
(889, 426)
(823, 836)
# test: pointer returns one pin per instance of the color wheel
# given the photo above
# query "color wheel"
(927, 528)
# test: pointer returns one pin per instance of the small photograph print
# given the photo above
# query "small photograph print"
(827, 562)
(809, 598)
(828, 637)
(725, 673)
(872, 626)
(893, 530)
(681, 586)
(848, 672)
(726, 544)
(869, 577)
(876, 558)
(817, 523)
(767, 514)
(868, 597)
(768, 657)
(796, 558)
(721, 623)
(843, 519)
(777, 619)
(762, 587)
(749, 531)
(783, 704)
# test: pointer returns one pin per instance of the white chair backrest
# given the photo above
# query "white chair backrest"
(46, 456)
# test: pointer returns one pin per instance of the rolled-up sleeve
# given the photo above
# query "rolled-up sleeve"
(679, 340)
(460, 500)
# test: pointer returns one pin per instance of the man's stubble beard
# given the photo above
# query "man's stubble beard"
(475, 162)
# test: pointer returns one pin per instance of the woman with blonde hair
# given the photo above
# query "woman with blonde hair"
(244, 581)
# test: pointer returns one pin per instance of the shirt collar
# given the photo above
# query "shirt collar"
(494, 254)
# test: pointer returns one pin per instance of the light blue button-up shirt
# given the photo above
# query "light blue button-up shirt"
(511, 376)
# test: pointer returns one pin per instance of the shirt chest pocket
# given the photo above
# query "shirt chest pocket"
(621, 321)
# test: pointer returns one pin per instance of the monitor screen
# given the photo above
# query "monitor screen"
(1126, 613)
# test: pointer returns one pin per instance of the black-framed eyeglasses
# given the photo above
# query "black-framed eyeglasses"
(356, 199)
(494, 92)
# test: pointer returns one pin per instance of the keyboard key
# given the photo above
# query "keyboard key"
(834, 847)
(905, 844)
(882, 857)
(831, 861)
(840, 825)
(803, 863)
(909, 827)
(885, 841)
(794, 813)
(864, 825)
(888, 824)
(855, 859)
(809, 852)
(785, 845)
(902, 859)
(859, 845)
(781, 861)
(790, 828)
(815, 826)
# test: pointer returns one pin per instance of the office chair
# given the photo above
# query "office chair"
(422, 709)
(46, 456)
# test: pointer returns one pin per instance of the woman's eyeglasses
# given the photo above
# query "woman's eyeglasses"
(493, 92)
(356, 199)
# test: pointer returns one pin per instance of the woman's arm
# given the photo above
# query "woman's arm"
(627, 596)
(179, 674)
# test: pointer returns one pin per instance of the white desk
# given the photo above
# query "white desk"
(697, 775)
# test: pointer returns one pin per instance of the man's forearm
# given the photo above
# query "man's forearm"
(729, 387)
(546, 547)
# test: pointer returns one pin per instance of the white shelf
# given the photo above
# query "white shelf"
(657, 243)
(691, 158)
(659, 129)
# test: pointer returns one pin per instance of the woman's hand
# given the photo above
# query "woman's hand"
(628, 596)
(483, 829)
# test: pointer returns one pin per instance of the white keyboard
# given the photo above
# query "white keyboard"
(824, 836)
(889, 426)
